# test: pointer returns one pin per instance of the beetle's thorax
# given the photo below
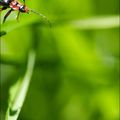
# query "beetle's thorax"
(15, 5)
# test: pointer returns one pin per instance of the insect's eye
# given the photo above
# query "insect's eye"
(22, 9)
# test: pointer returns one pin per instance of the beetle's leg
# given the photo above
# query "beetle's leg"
(7, 14)
(3, 8)
(18, 16)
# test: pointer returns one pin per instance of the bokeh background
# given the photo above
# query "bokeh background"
(76, 74)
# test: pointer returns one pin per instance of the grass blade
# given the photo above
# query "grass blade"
(19, 90)
(97, 23)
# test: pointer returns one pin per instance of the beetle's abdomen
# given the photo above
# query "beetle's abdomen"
(5, 1)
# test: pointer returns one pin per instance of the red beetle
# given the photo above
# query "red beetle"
(15, 5)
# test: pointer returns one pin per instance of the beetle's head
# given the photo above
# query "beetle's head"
(24, 9)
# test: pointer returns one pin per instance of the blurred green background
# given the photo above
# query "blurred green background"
(76, 74)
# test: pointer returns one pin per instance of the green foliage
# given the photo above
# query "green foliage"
(76, 73)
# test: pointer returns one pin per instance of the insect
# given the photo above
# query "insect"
(15, 5)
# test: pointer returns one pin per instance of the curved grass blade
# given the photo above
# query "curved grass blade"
(19, 90)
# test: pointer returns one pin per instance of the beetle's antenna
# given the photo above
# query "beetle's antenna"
(43, 16)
